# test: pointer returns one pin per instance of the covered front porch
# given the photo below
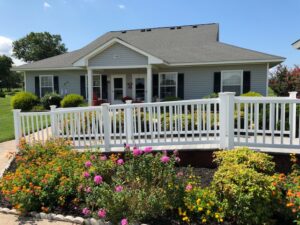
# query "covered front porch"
(114, 85)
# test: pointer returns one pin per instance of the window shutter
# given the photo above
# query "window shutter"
(180, 86)
(246, 81)
(56, 84)
(82, 86)
(217, 82)
(155, 85)
(104, 87)
(37, 86)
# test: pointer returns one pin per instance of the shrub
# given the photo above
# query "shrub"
(71, 100)
(51, 99)
(251, 94)
(2, 94)
(37, 108)
(212, 95)
(260, 162)
(24, 101)
(171, 99)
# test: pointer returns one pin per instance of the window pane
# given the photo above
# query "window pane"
(167, 91)
(118, 82)
(96, 81)
(46, 81)
(168, 79)
(232, 88)
(118, 94)
(96, 92)
(46, 90)
(232, 78)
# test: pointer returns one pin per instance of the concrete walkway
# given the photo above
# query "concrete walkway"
(7, 148)
(9, 219)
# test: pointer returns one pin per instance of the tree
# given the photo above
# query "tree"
(284, 80)
(37, 46)
(5, 65)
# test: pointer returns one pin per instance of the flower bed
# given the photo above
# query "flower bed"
(142, 186)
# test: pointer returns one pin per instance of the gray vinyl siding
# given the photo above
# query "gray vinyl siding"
(199, 81)
(118, 55)
(69, 81)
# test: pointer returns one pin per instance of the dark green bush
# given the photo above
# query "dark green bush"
(71, 100)
(24, 101)
(2, 94)
(51, 99)
(171, 99)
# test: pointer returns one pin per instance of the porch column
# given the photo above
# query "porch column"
(149, 83)
(90, 87)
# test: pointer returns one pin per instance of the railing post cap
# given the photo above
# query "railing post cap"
(105, 104)
(293, 94)
(227, 93)
(17, 110)
(52, 107)
(128, 101)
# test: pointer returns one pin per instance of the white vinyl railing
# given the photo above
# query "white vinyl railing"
(226, 121)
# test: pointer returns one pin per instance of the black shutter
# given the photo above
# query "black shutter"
(217, 82)
(180, 89)
(155, 85)
(104, 87)
(82, 87)
(37, 86)
(246, 81)
(56, 84)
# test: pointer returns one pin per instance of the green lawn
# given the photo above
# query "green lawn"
(6, 120)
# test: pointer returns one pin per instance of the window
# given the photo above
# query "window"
(167, 85)
(96, 86)
(232, 81)
(46, 84)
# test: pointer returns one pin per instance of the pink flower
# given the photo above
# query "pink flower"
(98, 179)
(120, 161)
(118, 188)
(177, 159)
(102, 213)
(86, 211)
(176, 152)
(103, 158)
(180, 174)
(127, 146)
(88, 190)
(148, 149)
(88, 164)
(124, 221)
(93, 157)
(86, 174)
(165, 159)
(137, 152)
(188, 187)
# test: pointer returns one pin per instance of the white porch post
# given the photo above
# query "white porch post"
(90, 87)
(149, 83)
(293, 116)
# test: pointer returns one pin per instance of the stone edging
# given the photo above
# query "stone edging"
(58, 217)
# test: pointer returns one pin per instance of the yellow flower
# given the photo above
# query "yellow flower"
(217, 215)
(208, 212)
(198, 201)
(200, 209)
(203, 220)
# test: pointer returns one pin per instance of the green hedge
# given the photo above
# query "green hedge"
(71, 100)
(24, 101)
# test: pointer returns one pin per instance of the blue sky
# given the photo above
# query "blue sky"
(265, 25)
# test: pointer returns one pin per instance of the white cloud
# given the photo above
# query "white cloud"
(6, 49)
(120, 6)
(46, 5)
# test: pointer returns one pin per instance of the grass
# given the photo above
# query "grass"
(6, 120)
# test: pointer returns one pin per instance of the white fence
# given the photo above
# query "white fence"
(226, 121)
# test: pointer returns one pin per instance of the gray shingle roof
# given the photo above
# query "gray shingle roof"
(184, 44)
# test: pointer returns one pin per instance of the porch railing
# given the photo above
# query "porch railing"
(226, 121)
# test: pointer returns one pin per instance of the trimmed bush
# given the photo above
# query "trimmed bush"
(51, 99)
(212, 95)
(171, 99)
(251, 94)
(24, 101)
(71, 100)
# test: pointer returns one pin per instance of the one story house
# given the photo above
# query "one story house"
(188, 62)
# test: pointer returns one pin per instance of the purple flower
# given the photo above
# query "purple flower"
(124, 221)
(165, 159)
(148, 149)
(137, 152)
(88, 164)
(86, 211)
(86, 174)
(103, 157)
(88, 189)
(120, 161)
(98, 179)
(102, 213)
(118, 188)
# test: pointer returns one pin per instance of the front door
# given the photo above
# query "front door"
(139, 87)
(118, 88)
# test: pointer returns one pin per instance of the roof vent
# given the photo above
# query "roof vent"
(172, 28)
(178, 28)
(143, 30)
(124, 32)
(148, 30)
(195, 26)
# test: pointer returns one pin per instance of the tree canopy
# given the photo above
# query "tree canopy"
(37, 46)
(8, 79)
